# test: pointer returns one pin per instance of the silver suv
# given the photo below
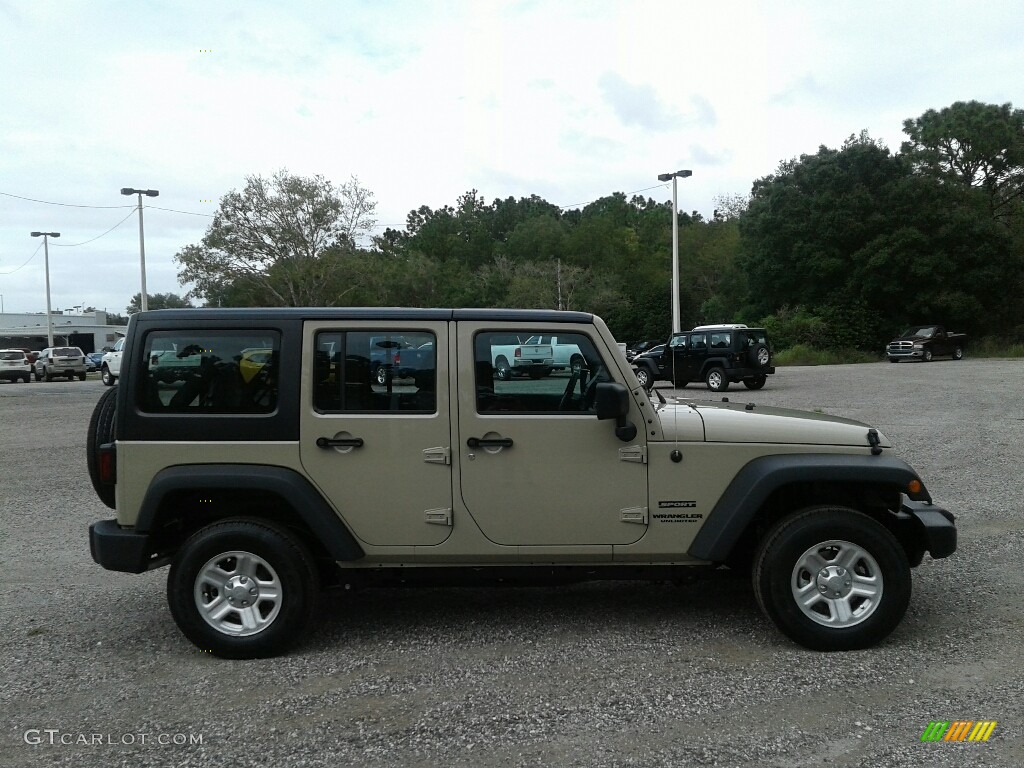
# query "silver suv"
(259, 454)
(60, 361)
(14, 365)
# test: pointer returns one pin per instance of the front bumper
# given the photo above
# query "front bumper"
(120, 549)
(932, 528)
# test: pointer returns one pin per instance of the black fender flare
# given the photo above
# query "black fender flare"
(300, 494)
(753, 484)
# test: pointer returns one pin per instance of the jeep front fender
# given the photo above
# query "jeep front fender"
(753, 484)
(297, 491)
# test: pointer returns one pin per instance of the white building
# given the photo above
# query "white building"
(88, 330)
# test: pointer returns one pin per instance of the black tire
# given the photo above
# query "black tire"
(644, 377)
(537, 373)
(502, 370)
(755, 382)
(47, 375)
(576, 362)
(876, 557)
(716, 379)
(101, 430)
(35, 373)
(282, 559)
(106, 376)
(81, 377)
(927, 355)
(958, 353)
(382, 375)
(760, 356)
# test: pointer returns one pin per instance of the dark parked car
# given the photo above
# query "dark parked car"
(639, 347)
(923, 342)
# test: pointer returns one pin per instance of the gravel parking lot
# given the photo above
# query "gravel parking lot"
(95, 673)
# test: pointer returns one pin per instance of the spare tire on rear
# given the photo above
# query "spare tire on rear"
(101, 431)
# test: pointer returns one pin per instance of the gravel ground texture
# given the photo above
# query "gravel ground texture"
(95, 673)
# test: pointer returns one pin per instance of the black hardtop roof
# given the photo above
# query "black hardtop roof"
(262, 314)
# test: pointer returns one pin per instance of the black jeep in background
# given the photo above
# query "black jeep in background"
(714, 354)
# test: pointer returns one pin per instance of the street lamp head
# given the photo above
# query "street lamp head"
(684, 174)
(664, 177)
(40, 234)
(151, 192)
(678, 174)
(128, 191)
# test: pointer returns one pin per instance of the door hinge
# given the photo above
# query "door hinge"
(634, 515)
(439, 455)
(637, 453)
(438, 516)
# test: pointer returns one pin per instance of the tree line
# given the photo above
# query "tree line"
(838, 249)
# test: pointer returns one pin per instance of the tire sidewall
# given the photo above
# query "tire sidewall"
(285, 554)
(792, 537)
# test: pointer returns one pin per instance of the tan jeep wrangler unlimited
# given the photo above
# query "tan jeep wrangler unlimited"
(255, 452)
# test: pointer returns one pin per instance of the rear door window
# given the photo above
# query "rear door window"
(210, 371)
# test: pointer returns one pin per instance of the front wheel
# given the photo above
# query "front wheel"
(927, 355)
(958, 353)
(755, 382)
(717, 380)
(106, 376)
(644, 377)
(242, 589)
(832, 579)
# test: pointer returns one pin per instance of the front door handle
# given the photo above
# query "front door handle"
(339, 442)
(489, 442)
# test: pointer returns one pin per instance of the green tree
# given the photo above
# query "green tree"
(978, 145)
(280, 241)
(158, 301)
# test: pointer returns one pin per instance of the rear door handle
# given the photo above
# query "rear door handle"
(339, 442)
(490, 442)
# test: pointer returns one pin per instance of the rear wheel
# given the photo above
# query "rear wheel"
(502, 369)
(47, 375)
(958, 353)
(755, 382)
(716, 380)
(832, 579)
(81, 377)
(243, 589)
(101, 431)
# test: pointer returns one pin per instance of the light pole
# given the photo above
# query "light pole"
(143, 303)
(675, 245)
(46, 260)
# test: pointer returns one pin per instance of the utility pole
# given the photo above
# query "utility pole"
(675, 245)
(46, 260)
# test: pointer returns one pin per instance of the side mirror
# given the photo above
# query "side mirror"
(612, 402)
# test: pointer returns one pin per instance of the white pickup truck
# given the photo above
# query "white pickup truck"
(564, 353)
(110, 365)
(519, 356)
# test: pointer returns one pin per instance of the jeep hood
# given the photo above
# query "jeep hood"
(733, 423)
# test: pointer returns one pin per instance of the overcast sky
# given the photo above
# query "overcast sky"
(423, 101)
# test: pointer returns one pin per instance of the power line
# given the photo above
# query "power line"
(75, 245)
(172, 210)
(634, 192)
(26, 262)
(66, 205)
